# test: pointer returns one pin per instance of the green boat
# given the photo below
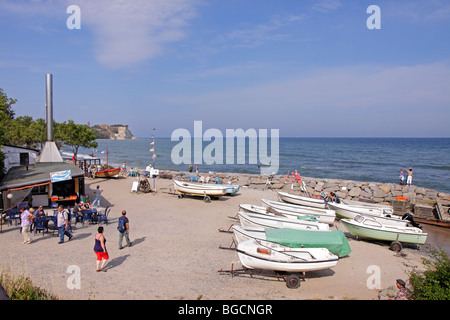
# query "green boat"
(370, 228)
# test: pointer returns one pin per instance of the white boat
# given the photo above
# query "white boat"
(272, 221)
(349, 212)
(335, 240)
(231, 188)
(387, 208)
(198, 190)
(288, 209)
(259, 254)
(369, 228)
(303, 201)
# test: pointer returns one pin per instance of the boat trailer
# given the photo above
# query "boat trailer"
(292, 279)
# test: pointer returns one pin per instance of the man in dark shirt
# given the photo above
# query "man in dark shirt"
(124, 229)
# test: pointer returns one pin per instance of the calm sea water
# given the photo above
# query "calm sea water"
(360, 159)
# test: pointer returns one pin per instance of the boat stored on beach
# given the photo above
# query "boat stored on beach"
(108, 173)
(231, 188)
(183, 187)
(259, 254)
(288, 209)
(272, 221)
(301, 200)
(335, 240)
(369, 228)
(349, 212)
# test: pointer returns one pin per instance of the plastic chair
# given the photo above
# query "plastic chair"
(39, 224)
(103, 216)
(14, 215)
(86, 216)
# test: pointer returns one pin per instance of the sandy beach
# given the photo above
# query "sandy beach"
(176, 255)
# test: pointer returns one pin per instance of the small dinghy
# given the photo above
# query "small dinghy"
(272, 221)
(301, 200)
(335, 240)
(260, 254)
(288, 209)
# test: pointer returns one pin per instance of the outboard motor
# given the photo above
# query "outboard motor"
(408, 216)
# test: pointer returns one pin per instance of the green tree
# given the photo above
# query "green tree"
(434, 282)
(6, 116)
(76, 136)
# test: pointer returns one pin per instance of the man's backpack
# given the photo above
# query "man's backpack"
(121, 226)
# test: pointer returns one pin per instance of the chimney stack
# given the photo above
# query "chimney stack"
(50, 152)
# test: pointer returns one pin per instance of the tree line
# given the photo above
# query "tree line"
(24, 131)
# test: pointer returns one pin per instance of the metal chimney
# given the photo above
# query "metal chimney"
(49, 87)
(50, 152)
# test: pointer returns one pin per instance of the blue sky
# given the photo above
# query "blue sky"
(308, 68)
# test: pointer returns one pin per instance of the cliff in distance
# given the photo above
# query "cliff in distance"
(115, 132)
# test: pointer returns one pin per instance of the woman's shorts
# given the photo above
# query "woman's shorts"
(102, 255)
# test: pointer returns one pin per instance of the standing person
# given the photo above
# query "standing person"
(25, 223)
(97, 193)
(402, 177)
(62, 223)
(410, 176)
(124, 229)
(100, 250)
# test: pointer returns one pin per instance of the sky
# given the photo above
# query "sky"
(307, 68)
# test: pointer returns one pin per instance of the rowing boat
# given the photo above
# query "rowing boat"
(303, 201)
(335, 240)
(259, 254)
(272, 221)
(198, 190)
(288, 209)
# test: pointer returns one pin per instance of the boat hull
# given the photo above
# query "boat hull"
(109, 173)
(198, 189)
(350, 212)
(271, 221)
(303, 201)
(323, 215)
(269, 256)
(231, 188)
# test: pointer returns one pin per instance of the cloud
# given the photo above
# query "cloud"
(327, 5)
(125, 32)
(256, 35)
(343, 100)
(129, 32)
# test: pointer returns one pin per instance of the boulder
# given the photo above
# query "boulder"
(354, 192)
(385, 188)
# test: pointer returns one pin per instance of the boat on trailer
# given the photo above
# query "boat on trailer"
(370, 228)
(288, 209)
(272, 221)
(260, 254)
(335, 240)
(301, 200)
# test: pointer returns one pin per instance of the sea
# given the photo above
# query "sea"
(359, 159)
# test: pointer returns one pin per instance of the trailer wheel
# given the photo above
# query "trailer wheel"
(207, 199)
(180, 196)
(293, 281)
(396, 246)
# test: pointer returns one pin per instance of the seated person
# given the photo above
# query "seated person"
(77, 211)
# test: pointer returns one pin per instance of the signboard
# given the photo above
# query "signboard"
(60, 176)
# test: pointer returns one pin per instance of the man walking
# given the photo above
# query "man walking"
(97, 193)
(62, 223)
(124, 229)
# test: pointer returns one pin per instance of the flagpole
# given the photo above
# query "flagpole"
(154, 156)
